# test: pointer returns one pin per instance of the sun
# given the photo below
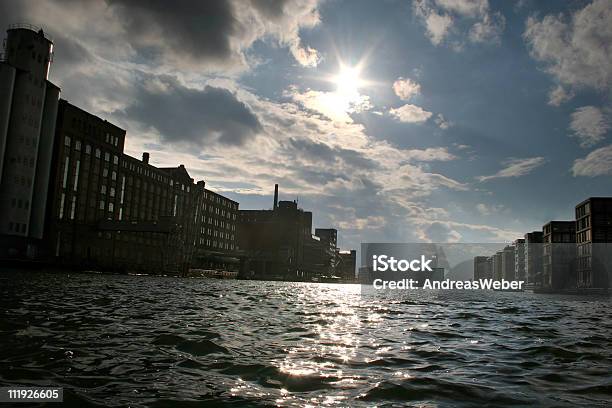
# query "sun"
(348, 82)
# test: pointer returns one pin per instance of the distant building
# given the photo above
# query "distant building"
(496, 264)
(533, 257)
(519, 259)
(279, 244)
(508, 262)
(559, 255)
(273, 241)
(328, 236)
(594, 242)
(28, 110)
(483, 267)
(345, 268)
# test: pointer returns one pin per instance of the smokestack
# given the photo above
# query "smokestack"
(275, 196)
(145, 158)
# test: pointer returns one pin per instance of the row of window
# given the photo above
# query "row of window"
(17, 227)
(19, 203)
(215, 244)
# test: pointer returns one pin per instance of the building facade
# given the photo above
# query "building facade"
(508, 262)
(594, 242)
(559, 255)
(519, 259)
(112, 211)
(533, 258)
(28, 110)
(483, 267)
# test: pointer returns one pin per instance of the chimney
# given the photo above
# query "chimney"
(145, 158)
(275, 196)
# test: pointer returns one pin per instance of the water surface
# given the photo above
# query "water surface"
(161, 341)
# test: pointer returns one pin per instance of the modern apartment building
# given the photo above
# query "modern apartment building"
(594, 242)
(519, 259)
(559, 255)
(533, 258)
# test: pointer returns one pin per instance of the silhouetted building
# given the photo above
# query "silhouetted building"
(483, 267)
(594, 242)
(519, 259)
(533, 257)
(273, 242)
(559, 255)
(345, 267)
(28, 110)
(217, 230)
(496, 264)
(109, 210)
(508, 262)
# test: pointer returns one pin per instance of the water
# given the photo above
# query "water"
(160, 341)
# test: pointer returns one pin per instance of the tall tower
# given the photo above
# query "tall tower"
(28, 110)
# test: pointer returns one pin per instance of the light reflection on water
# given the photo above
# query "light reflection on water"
(124, 340)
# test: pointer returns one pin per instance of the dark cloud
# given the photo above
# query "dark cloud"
(318, 151)
(186, 115)
(189, 29)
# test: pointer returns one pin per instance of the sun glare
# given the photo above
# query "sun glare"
(348, 82)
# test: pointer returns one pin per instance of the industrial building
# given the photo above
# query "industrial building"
(28, 111)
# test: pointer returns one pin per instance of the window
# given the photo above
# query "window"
(105, 172)
(102, 204)
(72, 207)
(98, 153)
(112, 191)
(66, 141)
(66, 166)
(61, 209)
(87, 149)
(107, 156)
(103, 189)
(76, 175)
(113, 175)
(111, 207)
(115, 159)
(77, 145)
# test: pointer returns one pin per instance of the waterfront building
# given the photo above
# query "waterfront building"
(345, 267)
(559, 255)
(594, 242)
(483, 267)
(28, 110)
(279, 244)
(496, 264)
(533, 257)
(519, 259)
(274, 241)
(508, 262)
(109, 210)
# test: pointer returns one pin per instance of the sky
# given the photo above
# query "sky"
(392, 121)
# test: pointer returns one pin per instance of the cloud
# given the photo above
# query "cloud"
(559, 95)
(438, 232)
(590, 125)
(574, 49)
(596, 163)
(333, 105)
(410, 114)
(465, 18)
(442, 122)
(516, 168)
(194, 116)
(406, 88)
(201, 36)
(486, 210)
